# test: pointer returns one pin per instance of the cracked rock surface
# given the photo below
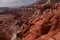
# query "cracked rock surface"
(33, 22)
(44, 27)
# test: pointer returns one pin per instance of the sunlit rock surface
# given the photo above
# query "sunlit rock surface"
(31, 22)
(44, 27)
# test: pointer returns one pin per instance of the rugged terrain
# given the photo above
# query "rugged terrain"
(44, 27)
(32, 22)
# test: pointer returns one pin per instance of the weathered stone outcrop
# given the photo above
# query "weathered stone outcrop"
(44, 27)
(33, 22)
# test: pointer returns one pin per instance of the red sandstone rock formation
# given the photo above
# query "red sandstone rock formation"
(39, 23)
(46, 27)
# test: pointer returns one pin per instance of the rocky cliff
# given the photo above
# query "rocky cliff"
(32, 22)
(44, 27)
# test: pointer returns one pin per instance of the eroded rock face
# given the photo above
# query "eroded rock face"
(31, 23)
(45, 27)
(11, 21)
(7, 27)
